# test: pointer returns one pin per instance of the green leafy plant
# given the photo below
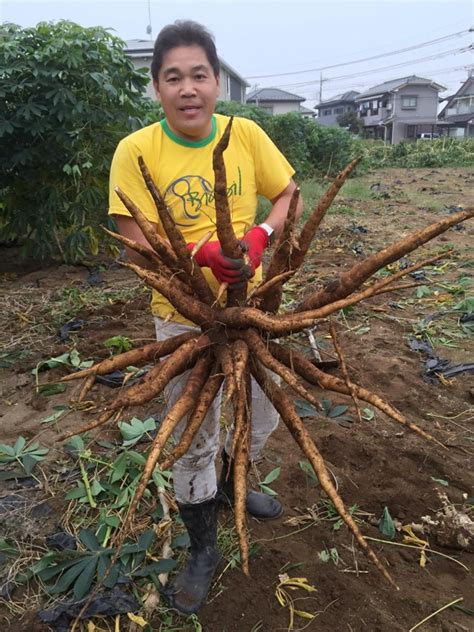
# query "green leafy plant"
(332, 514)
(135, 430)
(114, 488)
(26, 455)
(118, 344)
(268, 480)
(68, 95)
(335, 412)
(69, 359)
(77, 571)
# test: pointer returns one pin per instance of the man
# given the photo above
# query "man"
(178, 152)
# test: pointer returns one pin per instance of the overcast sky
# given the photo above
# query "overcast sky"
(268, 37)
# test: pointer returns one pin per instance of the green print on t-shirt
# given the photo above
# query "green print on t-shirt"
(189, 195)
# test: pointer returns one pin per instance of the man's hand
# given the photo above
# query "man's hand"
(225, 269)
(254, 243)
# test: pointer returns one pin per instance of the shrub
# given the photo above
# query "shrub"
(443, 152)
(68, 94)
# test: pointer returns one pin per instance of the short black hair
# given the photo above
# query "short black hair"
(183, 33)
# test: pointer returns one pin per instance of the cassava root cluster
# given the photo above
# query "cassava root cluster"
(217, 353)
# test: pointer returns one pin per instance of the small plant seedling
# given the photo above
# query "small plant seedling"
(268, 480)
(26, 456)
(336, 412)
(329, 555)
(118, 344)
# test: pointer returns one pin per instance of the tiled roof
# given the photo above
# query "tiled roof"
(273, 94)
(388, 86)
(340, 98)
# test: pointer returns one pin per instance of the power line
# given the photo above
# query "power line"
(358, 61)
(363, 73)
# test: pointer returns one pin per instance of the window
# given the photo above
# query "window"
(267, 108)
(409, 103)
(338, 110)
(327, 112)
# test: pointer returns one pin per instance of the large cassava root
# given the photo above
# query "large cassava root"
(237, 340)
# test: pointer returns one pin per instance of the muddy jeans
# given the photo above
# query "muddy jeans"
(194, 474)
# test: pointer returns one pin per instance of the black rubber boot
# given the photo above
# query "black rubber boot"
(258, 505)
(188, 592)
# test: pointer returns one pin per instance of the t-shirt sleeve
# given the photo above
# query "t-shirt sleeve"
(272, 169)
(125, 174)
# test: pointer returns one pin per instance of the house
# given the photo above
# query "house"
(457, 116)
(276, 101)
(329, 110)
(400, 109)
(232, 85)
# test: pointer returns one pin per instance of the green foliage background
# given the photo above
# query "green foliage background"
(68, 94)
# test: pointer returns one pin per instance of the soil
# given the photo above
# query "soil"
(377, 464)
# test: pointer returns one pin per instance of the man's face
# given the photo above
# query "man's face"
(187, 89)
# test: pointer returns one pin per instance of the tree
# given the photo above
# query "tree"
(68, 94)
(351, 121)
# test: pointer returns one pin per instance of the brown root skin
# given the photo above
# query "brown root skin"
(148, 254)
(134, 357)
(189, 307)
(153, 383)
(312, 224)
(240, 357)
(265, 286)
(280, 261)
(156, 264)
(344, 371)
(306, 369)
(360, 272)
(260, 351)
(181, 407)
(159, 245)
(177, 240)
(225, 231)
(285, 407)
(204, 400)
(240, 455)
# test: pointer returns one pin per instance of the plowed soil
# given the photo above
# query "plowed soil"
(376, 463)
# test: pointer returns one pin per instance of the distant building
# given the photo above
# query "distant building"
(400, 109)
(232, 85)
(276, 101)
(329, 110)
(457, 116)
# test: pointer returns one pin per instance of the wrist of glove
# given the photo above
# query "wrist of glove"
(225, 269)
(254, 243)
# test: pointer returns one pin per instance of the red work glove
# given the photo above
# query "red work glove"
(254, 243)
(225, 269)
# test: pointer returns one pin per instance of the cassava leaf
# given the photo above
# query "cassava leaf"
(89, 540)
(85, 579)
(272, 476)
(67, 578)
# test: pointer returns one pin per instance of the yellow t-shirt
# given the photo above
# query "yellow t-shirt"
(182, 171)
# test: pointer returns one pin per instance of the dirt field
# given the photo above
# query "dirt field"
(377, 464)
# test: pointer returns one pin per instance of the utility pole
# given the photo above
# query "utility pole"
(149, 29)
(320, 87)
